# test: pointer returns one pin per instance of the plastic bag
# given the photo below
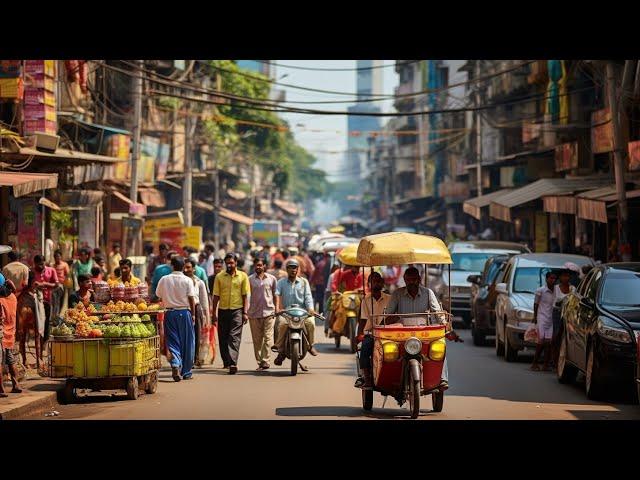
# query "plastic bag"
(531, 334)
(203, 344)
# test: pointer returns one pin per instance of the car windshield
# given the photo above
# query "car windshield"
(470, 262)
(494, 269)
(621, 290)
(529, 279)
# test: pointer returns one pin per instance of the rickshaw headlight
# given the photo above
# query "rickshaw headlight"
(390, 351)
(437, 349)
(413, 346)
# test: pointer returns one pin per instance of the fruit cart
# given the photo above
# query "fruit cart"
(114, 350)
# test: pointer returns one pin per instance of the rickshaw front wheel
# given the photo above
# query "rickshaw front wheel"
(414, 398)
(367, 399)
(438, 401)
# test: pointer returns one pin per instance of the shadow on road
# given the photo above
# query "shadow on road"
(349, 412)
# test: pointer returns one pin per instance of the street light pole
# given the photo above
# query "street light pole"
(137, 126)
(187, 187)
(478, 134)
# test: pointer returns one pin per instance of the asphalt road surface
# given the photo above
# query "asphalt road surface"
(482, 386)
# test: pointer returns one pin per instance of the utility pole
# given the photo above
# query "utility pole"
(619, 151)
(478, 134)
(252, 205)
(216, 201)
(137, 125)
(187, 187)
(422, 170)
(392, 179)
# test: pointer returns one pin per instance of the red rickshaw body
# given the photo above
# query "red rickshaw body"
(387, 375)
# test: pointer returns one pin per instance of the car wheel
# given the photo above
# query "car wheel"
(593, 382)
(499, 344)
(510, 353)
(566, 372)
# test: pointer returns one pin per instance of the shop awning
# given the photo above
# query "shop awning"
(592, 205)
(236, 194)
(235, 217)
(152, 197)
(474, 206)
(430, 216)
(122, 197)
(411, 199)
(79, 199)
(500, 208)
(49, 204)
(69, 155)
(288, 207)
(26, 183)
(559, 204)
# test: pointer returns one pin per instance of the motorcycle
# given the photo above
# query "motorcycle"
(296, 341)
(345, 308)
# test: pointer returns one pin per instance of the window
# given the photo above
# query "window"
(470, 262)
(582, 288)
(492, 272)
(621, 290)
(593, 287)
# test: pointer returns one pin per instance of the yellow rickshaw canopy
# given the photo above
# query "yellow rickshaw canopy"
(348, 256)
(401, 248)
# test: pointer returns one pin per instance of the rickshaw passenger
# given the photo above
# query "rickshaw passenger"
(414, 298)
(380, 301)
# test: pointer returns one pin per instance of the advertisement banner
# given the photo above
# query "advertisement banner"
(602, 131)
(267, 233)
(149, 147)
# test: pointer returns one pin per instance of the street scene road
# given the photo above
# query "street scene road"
(483, 387)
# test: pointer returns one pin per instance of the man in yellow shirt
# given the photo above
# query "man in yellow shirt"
(230, 303)
(126, 275)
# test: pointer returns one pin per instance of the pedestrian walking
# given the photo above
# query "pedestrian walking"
(161, 271)
(114, 257)
(318, 281)
(8, 313)
(82, 266)
(46, 280)
(209, 251)
(16, 271)
(158, 260)
(230, 301)
(277, 271)
(261, 310)
(561, 290)
(202, 318)
(63, 271)
(543, 316)
(178, 293)
(218, 266)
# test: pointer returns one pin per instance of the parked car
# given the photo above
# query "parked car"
(523, 275)
(602, 328)
(483, 298)
(468, 259)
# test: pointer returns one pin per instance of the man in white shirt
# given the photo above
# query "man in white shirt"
(543, 317)
(202, 308)
(367, 317)
(178, 295)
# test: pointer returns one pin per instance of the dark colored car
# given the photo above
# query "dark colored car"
(483, 298)
(601, 329)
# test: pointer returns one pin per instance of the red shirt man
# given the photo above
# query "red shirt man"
(349, 278)
(45, 278)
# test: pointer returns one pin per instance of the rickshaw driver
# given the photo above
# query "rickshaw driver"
(380, 301)
(414, 298)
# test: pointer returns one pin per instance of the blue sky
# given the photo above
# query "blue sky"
(336, 138)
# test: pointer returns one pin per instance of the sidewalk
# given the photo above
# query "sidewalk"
(39, 394)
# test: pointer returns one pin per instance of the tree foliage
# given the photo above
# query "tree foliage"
(273, 149)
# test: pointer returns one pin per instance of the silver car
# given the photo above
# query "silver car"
(468, 259)
(524, 274)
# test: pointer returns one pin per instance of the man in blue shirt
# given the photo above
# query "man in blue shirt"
(294, 290)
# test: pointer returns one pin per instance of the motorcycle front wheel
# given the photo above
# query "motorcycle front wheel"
(295, 352)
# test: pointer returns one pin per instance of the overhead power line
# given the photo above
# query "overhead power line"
(320, 69)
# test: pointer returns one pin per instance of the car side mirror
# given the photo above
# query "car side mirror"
(436, 272)
(474, 279)
(501, 288)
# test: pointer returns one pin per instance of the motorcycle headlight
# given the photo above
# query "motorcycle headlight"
(616, 334)
(390, 351)
(524, 315)
(413, 346)
(438, 349)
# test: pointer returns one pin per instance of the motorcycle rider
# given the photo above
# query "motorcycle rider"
(380, 302)
(294, 290)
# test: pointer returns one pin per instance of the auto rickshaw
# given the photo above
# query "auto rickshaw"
(407, 358)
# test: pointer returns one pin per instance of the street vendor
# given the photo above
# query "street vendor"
(414, 298)
(84, 294)
(126, 276)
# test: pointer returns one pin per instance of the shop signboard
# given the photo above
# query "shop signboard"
(601, 131)
(566, 156)
(267, 232)
(634, 156)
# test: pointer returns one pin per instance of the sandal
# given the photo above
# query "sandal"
(16, 390)
(3, 395)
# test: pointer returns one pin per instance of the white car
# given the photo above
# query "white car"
(523, 275)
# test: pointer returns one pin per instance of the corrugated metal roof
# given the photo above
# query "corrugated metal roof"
(485, 200)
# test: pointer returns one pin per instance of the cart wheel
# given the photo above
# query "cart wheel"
(438, 401)
(414, 398)
(367, 399)
(152, 383)
(70, 393)
(132, 388)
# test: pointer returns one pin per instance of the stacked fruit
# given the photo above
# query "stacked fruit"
(83, 329)
(62, 331)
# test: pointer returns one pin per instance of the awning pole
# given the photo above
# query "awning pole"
(42, 222)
